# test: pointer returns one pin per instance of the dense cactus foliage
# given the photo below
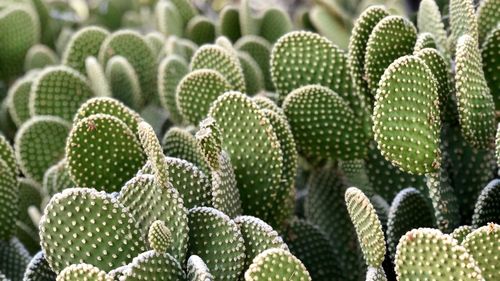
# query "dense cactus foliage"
(253, 140)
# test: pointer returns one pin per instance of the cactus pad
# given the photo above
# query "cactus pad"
(152, 265)
(411, 143)
(39, 270)
(18, 99)
(254, 79)
(124, 82)
(444, 200)
(424, 40)
(462, 21)
(429, 20)
(97, 230)
(159, 237)
(170, 72)
(39, 56)
(9, 199)
(375, 274)
(216, 239)
(461, 232)
(197, 270)
(154, 152)
(182, 144)
(97, 78)
(260, 50)
(13, 259)
(84, 43)
(481, 244)
(82, 272)
(489, 53)
(275, 23)
(487, 208)
(277, 264)
(201, 30)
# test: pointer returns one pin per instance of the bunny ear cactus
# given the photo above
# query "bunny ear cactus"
(39, 270)
(375, 274)
(254, 79)
(489, 53)
(59, 91)
(168, 19)
(215, 238)
(197, 270)
(9, 198)
(429, 20)
(275, 23)
(14, 259)
(84, 43)
(229, 23)
(159, 237)
(153, 265)
(424, 40)
(461, 232)
(97, 78)
(440, 255)
(260, 50)
(39, 56)
(476, 107)
(124, 82)
(463, 21)
(201, 30)
(18, 98)
(182, 144)
(277, 264)
(82, 272)
(487, 206)
(170, 72)
(479, 243)
(154, 153)
(57, 178)
(487, 18)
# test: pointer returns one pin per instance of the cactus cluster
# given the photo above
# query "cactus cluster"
(249, 140)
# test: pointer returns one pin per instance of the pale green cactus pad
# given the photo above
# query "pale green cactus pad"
(367, 225)
(336, 133)
(7, 155)
(313, 248)
(97, 79)
(242, 126)
(84, 43)
(39, 270)
(59, 91)
(461, 232)
(487, 207)
(277, 264)
(9, 199)
(197, 270)
(82, 272)
(487, 18)
(391, 38)
(424, 40)
(182, 144)
(154, 153)
(13, 259)
(152, 265)
(399, 135)
(489, 52)
(429, 20)
(186, 9)
(481, 244)
(476, 107)
(229, 23)
(201, 30)
(18, 98)
(440, 254)
(124, 82)
(462, 21)
(148, 201)
(375, 274)
(39, 56)
(215, 238)
(258, 237)
(96, 230)
(409, 210)
(159, 237)
(170, 72)
(222, 60)
(168, 19)
(254, 79)
(57, 178)
(197, 91)
(106, 171)
(275, 23)
(39, 144)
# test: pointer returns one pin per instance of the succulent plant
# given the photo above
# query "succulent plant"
(189, 140)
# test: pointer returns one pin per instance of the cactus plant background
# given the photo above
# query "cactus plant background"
(255, 140)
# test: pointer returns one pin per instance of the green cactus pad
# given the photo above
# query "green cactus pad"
(186, 9)
(82, 272)
(462, 20)
(367, 225)
(97, 78)
(39, 270)
(154, 153)
(391, 38)
(334, 133)
(58, 91)
(181, 47)
(489, 53)
(30, 194)
(254, 79)
(19, 31)
(96, 230)
(409, 210)
(7, 155)
(197, 270)
(440, 255)
(481, 244)
(124, 82)
(229, 23)
(461, 232)
(476, 107)
(181, 144)
(170, 72)
(429, 20)
(201, 30)
(39, 56)
(242, 126)
(260, 50)
(132, 46)
(303, 58)
(217, 58)
(408, 134)
(148, 201)
(153, 265)
(277, 264)
(13, 259)
(168, 19)
(487, 18)
(258, 237)
(444, 200)
(424, 40)
(197, 91)
(311, 246)
(156, 41)
(375, 274)
(216, 239)
(487, 207)
(275, 23)
(39, 144)
(84, 43)
(159, 237)
(356, 175)
(266, 103)
(120, 153)
(357, 47)
(9, 199)
(249, 23)
(18, 98)
(325, 207)
(57, 178)
(210, 142)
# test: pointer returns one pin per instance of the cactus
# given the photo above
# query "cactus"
(375, 274)
(487, 13)
(154, 153)
(429, 20)
(153, 265)
(486, 209)
(82, 271)
(84, 43)
(168, 19)
(225, 253)
(409, 210)
(97, 78)
(18, 98)
(197, 270)
(462, 21)
(489, 50)
(170, 72)
(38, 269)
(277, 264)
(201, 30)
(451, 258)
(461, 232)
(260, 50)
(39, 56)
(424, 40)
(14, 259)
(275, 23)
(159, 237)
(124, 82)
(254, 79)
(478, 243)
(8, 201)
(230, 23)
